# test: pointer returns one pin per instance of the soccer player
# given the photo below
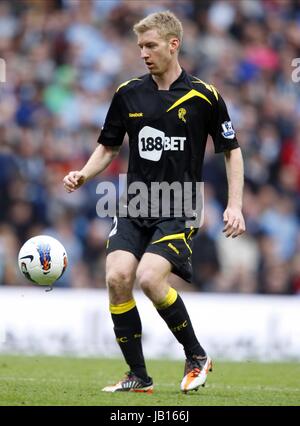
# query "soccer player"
(168, 116)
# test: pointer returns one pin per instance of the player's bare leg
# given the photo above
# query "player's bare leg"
(152, 274)
(120, 275)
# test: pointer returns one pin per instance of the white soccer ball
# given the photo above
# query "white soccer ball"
(42, 260)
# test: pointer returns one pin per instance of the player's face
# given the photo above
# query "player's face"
(157, 53)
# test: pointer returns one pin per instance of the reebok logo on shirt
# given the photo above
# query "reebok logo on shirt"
(135, 114)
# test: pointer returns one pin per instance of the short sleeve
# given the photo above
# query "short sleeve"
(113, 131)
(221, 128)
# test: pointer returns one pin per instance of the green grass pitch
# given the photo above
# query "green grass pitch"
(66, 381)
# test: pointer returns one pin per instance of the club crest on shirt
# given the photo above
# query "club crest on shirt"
(228, 131)
(181, 114)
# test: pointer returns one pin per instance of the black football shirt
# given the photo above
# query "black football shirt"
(167, 129)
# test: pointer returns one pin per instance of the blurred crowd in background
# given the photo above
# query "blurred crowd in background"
(64, 60)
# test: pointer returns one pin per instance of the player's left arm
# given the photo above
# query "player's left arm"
(233, 216)
(225, 141)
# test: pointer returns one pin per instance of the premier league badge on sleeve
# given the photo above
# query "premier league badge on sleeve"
(228, 131)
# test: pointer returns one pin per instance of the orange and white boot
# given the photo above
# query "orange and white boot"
(195, 373)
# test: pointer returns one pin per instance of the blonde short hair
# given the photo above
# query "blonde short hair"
(166, 24)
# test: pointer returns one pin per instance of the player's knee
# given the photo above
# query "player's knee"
(118, 281)
(146, 280)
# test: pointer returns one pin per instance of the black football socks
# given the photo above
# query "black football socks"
(128, 331)
(174, 313)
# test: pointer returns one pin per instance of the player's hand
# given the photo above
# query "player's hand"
(73, 181)
(234, 222)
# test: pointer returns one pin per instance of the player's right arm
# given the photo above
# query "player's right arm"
(110, 141)
(98, 161)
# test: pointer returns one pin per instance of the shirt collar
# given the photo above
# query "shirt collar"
(179, 79)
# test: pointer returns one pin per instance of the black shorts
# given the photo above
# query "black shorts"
(168, 238)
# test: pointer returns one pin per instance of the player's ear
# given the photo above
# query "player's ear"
(174, 44)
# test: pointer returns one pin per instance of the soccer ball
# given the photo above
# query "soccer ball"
(42, 260)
